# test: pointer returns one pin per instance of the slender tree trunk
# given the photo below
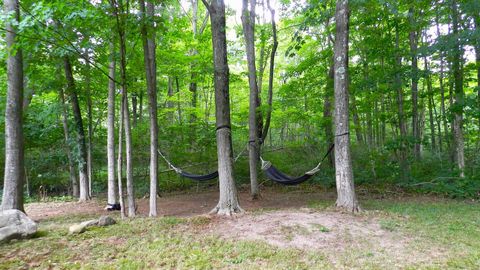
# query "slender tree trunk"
(14, 148)
(89, 127)
(459, 94)
(248, 22)
(327, 112)
(442, 87)
(77, 115)
(71, 163)
(228, 201)
(134, 109)
(431, 105)
(404, 168)
(268, 117)
(148, 38)
(126, 114)
(346, 197)
(112, 185)
(413, 51)
(120, 161)
(477, 58)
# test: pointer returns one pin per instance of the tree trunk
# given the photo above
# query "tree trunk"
(126, 114)
(442, 88)
(134, 109)
(248, 22)
(148, 38)
(327, 112)
(77, 115)
(477, 58)
(120, 161)
(14, 151)
(268, 117)
(228, 201)
(112, 186)
(404, 168)
(89, 127)
(431, 105)
(71, 162)
(346, 197)
(459, 94)
(413, 50)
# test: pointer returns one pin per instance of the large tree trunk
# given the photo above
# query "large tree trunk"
(413, 51)
(228, 201)
(248, 22)
(404, 168)
(66, 132)
(121, 21)
(148, 38)
(346, 197)
(14, 155)
(112, 186)
(459, 95)
(77, 115)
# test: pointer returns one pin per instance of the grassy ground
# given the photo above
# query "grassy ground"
(183, 243)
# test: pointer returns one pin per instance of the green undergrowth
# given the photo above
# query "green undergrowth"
(186, 243)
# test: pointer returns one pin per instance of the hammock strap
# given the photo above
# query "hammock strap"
(177, 170)
(317, 168)
(240, 154)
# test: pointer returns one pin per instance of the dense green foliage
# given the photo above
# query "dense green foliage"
(298, 137)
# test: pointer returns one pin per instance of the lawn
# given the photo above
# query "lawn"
(431, 233)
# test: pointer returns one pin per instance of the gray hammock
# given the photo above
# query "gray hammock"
(195, 177)
(277, 176)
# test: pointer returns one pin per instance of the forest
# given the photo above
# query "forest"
(246, 134)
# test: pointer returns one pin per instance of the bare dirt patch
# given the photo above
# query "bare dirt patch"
(182, 205)
(339, 236)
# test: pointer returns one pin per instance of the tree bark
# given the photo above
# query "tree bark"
(120, 161)
(459, 94)
(404, 168)
(228, 201)
(327, 112)
(346, 197)
(268, 116)
(442, 88)
(14, 147)
(148, 38)
(126, 114)
(66, 132)
(248, 22)
(89, 127)
(112, 185)
(77, 115)
(413, 51)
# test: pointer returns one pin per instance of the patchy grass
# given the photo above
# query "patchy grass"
(184, 243)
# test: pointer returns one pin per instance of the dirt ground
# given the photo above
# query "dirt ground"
(182, 205)
(283, 220)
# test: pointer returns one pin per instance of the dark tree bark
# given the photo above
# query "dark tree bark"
(228, 201)
(459, 94)
(14, 151)
(112, 185)
(248, 22)
(77, 115)
(148, 38)
(346, 197)
(442, 88)
(120, 161)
